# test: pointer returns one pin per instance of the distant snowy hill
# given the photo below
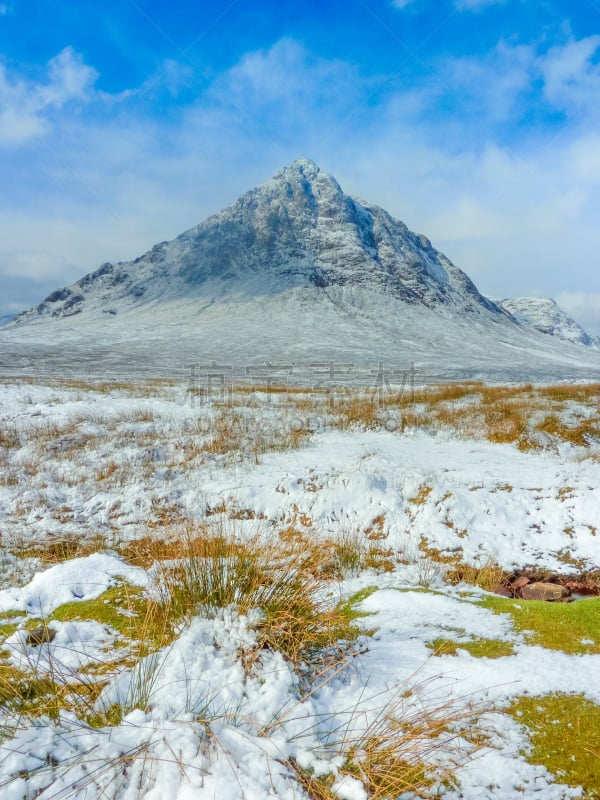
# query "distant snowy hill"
(294, 270)
(545, 315)
(6, 318)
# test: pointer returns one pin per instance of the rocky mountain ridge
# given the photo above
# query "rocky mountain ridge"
(298, 229)
(294, 271)
(544, 315)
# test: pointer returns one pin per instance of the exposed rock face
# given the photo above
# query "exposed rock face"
(545, 315)
(298, 229)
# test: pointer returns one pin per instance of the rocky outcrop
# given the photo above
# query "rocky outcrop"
(532, 585)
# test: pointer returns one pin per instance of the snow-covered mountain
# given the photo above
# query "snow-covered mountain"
(294, 270)
(543, 314)
(297, 230)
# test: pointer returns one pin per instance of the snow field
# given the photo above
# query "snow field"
(221, 714)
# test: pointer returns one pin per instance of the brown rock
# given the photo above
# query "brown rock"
(520, 582)
(503, 590)
(543, 591)
(41, 635)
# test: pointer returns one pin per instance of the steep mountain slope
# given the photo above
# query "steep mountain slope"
(294, 270)
(543, 314)
(298, 229)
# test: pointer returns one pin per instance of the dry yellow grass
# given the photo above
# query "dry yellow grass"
(580, 434)
(205, 568)
(487, 575)
(56, 549)
(502, 414)
(585, 393)
(232, 432)
(9, 436)
(394, 755)
(421, 497)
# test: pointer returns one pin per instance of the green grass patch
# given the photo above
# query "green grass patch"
(7, 630)
(32, 694)
(571, 627)
(565, 735)
(478, 648)
(11, 615)
(120, 608)
(143, 625)
(421, 590)
(347, 608)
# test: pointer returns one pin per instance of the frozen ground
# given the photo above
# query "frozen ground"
(99, 469)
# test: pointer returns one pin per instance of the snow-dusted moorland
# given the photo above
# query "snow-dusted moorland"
(288, 594)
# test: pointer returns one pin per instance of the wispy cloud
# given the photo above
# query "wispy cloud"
(571, 75)
(584, 307)
(26, 106)
(476, 5)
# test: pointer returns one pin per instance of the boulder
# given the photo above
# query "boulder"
(544, 591)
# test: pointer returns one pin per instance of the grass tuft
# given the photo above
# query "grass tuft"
(487, 575)
(397, 754)
(215, 571)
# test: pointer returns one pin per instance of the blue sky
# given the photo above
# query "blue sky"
(123, 123)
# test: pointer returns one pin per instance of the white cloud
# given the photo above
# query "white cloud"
(571, 76)
(286, 79)
(25, 106)
(585, 158)
(512, 81)
(519, 218)
(491, 87)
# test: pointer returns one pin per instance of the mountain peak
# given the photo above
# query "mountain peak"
(294, 269)
(305, 172)
(298, 229)
(304, 165)
(544, 315)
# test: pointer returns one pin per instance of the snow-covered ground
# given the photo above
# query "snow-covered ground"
(115, 466)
